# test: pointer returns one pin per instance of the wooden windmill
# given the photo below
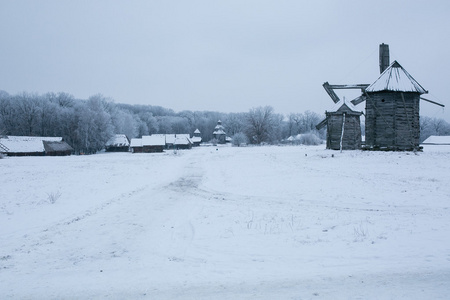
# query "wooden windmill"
(343, 125)
(392, 107)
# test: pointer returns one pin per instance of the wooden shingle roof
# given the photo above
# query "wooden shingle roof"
(395, 78)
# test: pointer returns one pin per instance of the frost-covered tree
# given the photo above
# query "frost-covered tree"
(239, 138)
(235, 123)
(433, 126)
(8, 115)
(28, 113)
(260, 124)
(93, 127)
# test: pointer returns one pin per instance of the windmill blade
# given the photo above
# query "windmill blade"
(432, 102)
(321, 124)
(358, 100)
(330, 92)
(362, 87)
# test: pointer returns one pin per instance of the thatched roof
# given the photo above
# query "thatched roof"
(52, 146)
(118, 140)
(25, 144)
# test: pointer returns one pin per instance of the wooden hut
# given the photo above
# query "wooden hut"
(178, 141)
(118, 143)
(136, 145)
(57, 148)
(392, 111)
(182, 141)
(343, 128)
(148, 144)
(34, 146)
(153, 143)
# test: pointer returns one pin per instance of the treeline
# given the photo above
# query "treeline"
(433, 126)
(88, 124)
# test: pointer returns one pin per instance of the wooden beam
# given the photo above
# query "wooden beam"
(342, 133)
(432, 102)
(358, 100)
(330, 92)
(348, 86)
(321, 124)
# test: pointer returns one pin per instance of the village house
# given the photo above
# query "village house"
(437, 143)
(148, 144)
(438, 140)
(159, 142)
(118, 143)
(34, 146)
(178, 141)
(182, 142)
(136, 145)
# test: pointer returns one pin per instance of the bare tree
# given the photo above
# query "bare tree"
(8, 115)
(27, 113)
(260, 124)
(235, 123)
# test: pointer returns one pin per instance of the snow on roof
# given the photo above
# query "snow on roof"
(136, 143)
(219, 131)
(183, 140)
(219, 126)
(197, 131)
(161, 140)
(170, 138)
(395, 78)
(343, 105)
(118, 140)
(52, 146)
(153, 140)
(196, 139)
(437, 140)
(25, 144)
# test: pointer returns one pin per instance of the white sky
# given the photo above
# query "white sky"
(226, 56)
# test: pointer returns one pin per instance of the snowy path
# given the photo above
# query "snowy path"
(251, 223)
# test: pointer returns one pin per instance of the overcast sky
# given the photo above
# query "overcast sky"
(226, 56)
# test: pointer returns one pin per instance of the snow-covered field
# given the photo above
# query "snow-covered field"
(226, 223)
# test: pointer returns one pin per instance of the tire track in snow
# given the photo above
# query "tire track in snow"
(32, 241)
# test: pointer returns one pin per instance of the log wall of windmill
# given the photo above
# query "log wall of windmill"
(392, 121)
(352, 131)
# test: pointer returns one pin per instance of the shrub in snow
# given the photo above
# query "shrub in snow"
(309, 139)
(214, 142)
(360, 232)
(239, 139)
(53, 197)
